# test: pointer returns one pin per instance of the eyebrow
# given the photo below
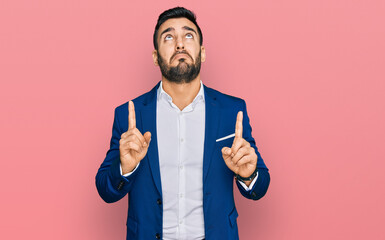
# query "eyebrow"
(173, 29)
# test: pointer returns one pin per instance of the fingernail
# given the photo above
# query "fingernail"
(144, 144)
(228, 151)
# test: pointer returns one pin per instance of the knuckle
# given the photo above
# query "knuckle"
(130, 138)
(137, 131)
(244, 150)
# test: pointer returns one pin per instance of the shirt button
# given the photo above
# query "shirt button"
(181, 139)
(159, 202)
(181, 167)
(181, 195)
(180, 222)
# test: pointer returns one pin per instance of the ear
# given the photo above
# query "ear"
(155, 57)
(203, 54)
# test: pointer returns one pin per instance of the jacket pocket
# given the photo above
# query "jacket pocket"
(225, 137)
(228, 142)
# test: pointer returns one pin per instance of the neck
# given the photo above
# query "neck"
(182, 94)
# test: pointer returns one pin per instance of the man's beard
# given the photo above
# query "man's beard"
(183, 72)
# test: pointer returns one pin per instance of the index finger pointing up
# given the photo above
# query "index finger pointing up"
(239, 125)
(131, 115)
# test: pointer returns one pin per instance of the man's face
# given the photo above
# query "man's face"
(179, 54)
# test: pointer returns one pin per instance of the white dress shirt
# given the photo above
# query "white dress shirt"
(180, 137)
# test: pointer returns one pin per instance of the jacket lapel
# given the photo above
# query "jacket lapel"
(148, 119)
(211, 129)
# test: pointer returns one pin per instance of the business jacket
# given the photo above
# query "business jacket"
(144, 218)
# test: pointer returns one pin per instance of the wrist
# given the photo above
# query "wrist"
(249, 178)
(126, 168)
(247, 183)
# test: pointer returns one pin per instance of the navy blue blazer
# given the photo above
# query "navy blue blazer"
(144, 189)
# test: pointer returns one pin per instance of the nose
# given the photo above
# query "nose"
(179, 44)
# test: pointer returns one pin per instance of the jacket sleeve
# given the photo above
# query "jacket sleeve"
(111, 185)
(262, 184)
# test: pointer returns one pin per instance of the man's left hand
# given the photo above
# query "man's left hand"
(241, 157)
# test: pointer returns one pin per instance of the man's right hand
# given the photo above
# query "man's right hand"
(133, 145)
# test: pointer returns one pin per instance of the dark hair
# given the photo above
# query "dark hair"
(177, 12)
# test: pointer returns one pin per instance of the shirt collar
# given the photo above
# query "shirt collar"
(162, 94)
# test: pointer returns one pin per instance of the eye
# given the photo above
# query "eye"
(189, 35)
(168, 37)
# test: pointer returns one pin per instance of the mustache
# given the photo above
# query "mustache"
(184, 52)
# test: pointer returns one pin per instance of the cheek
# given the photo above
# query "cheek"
(165, 49)
(165, 56)
(193, 49)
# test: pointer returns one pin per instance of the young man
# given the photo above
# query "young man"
(176, 149)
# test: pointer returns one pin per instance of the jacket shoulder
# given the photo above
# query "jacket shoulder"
(138, 101)
(224, 99)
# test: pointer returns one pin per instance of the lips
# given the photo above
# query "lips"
(180, 55)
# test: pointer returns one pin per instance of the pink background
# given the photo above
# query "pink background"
(311, 72)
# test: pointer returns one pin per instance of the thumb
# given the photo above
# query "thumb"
(226, 151)
(147, 137)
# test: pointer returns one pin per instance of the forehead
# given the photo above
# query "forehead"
(177, 24)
